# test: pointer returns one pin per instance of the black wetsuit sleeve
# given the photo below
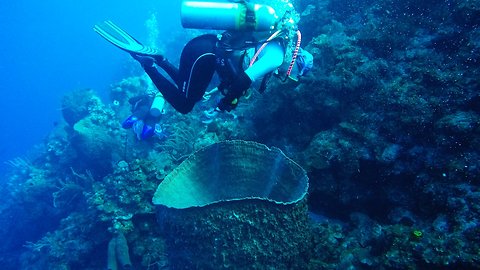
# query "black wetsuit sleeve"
(240, 84)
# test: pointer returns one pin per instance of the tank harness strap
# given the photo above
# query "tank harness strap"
(246, 20)
(250, 18)
(254, 58)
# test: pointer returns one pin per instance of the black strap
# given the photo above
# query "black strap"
(250, 19)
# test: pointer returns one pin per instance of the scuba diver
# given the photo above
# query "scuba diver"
(147, 111)
(254, 45)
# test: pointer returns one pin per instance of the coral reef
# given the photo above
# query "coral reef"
(386, 125)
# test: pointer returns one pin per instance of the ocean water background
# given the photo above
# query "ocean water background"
(48, 48)
(387, 126)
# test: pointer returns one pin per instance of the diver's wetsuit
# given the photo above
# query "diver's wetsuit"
(197, 65)
(200, 59)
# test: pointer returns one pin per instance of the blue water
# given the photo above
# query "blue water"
(386, 126)
(49, 48)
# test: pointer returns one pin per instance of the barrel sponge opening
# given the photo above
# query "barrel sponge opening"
(231, 171)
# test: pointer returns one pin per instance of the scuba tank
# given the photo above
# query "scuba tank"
(157, 105)
(228, 16)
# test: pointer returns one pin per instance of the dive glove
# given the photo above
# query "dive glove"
(237, 89)
(226, 104)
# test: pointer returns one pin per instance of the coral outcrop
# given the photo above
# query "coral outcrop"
(386, 126)
(235, 204)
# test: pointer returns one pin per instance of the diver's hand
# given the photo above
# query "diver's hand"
(237, 89)
(210, 115)
(227, 104)
(208, 94)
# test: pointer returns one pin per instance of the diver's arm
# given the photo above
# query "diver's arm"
(269, 60)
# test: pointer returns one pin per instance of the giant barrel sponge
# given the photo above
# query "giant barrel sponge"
(235, 204)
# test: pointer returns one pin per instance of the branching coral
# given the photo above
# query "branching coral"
(21, 164)
(64, 246)
(181, 143)
(70, 189)
(43, 243)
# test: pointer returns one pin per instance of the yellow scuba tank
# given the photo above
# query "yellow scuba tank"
(228, 16)
(157, 105)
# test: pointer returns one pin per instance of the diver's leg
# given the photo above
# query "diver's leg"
(197, 65)
(162, 62)
(200, 77)
(192, 52)
(171, 70)
(170, 92)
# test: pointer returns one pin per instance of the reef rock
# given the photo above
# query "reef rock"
(93, 142)
(77, 104)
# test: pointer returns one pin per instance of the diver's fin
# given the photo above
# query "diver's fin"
(118, 37)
